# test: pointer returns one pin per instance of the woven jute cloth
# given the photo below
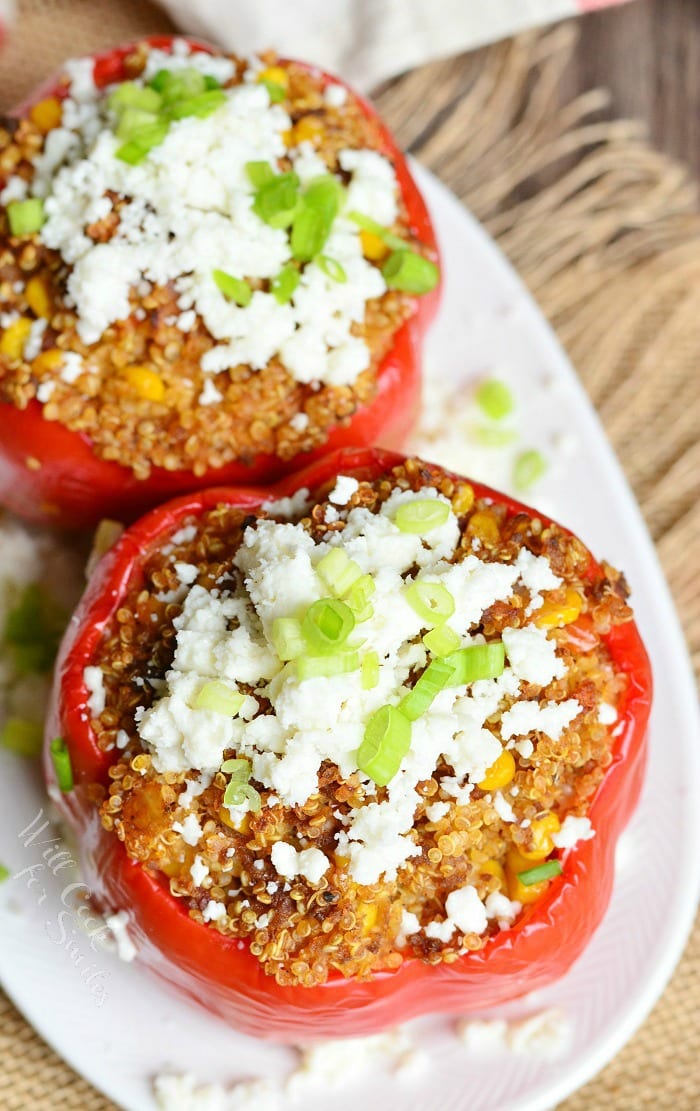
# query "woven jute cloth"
(606, 233)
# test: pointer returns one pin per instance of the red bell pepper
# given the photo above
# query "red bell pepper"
(218, 971)
(74, 487)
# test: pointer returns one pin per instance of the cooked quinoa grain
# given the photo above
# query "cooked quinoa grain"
(297, 868)
(179, 376)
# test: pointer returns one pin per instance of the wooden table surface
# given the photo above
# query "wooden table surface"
(648, 55)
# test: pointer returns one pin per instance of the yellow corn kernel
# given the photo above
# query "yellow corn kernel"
(500, 773)
(46, 114)
(48, 360)
(373, 246)
(308, 129)
(517, 862)
(367, 913)
(541, 831)
(463, 499)
(554, 614)
(37, 294)
(14, 338)
(242, 825)
(483, 526)
(276, 74)
(146, 383)
(494, 868)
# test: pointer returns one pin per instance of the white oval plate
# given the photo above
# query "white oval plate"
(487, 324)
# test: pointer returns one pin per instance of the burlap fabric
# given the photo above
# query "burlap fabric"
(606, 233)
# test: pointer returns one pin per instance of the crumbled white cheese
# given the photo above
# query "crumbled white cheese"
(199, 870)
(290, 862)
(94, 681)
(190, 830)
(214, 911)
(72, 367)
(15, 189)
(503, 808)
(552, 718)
(210, 395)
(32, 344)
(335, 95)
(436, 811)
(607, 714)
(44, 390)
(466, 910)
(532, 656)
(186, 572)
(343, 490)
(572, 831)
(117, 923)
(502, 908)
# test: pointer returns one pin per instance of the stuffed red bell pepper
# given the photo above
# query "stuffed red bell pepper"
(213, 270)
(352, 750)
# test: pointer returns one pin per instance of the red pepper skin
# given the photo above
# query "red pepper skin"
(223, 976)
(75, 488)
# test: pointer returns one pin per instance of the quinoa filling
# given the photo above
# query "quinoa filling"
(205, 262)
(360, 725)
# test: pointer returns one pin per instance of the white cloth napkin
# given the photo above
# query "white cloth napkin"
(365, 41)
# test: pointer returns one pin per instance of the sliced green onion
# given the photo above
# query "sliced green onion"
(132, 121)
(327, 624)
(238, 768)
(528, 469)
(492, 437)
(33, 630)
(218, 697)
(211, 82)
(316, 667)
(478, 661)
(386, 741)
(277, 202)
(369, 669)
(441, 641)
(277, 93)
(338, 572)
(284, 285)
(422, 515)
(544, 871)
(238, 793)
(61, 764)
(5, 873)
(22, 737)
(431, 601)
(358, 597)
(494, 399)
(178, 84)
(410, 272)
(131, 95)
(236, 289)
(388, 237)
(25, 217)
(259, 173)
(312, 223)
(332, 268)
(434, 679)
(287, 638)
(201, 105)
(142, 142)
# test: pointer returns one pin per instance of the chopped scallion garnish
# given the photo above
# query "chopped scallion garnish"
(201, 105)
(338, 572)
(237, 793)
(494, 399)
(338, 663)
(236, 289)
(332, 268)
(141, 142)
(435, 678)
(25, 217)
(386, 741)
(132, 121)
(388, 237)
(410, 272)
(431, 601)
(283, 286)
(545, 871)
(313, 221)
(369, 669)
(259, 173)
(131, 95)
(358, 597)
(22, 736)
(441, 641)
(63, 768)
(477, 661)
(219, 698)
(238, 768)
(287, 638)
(277, 201)
(5, 873)
(422, 515)
(277, 93)
(528, 469)
(327, 624)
